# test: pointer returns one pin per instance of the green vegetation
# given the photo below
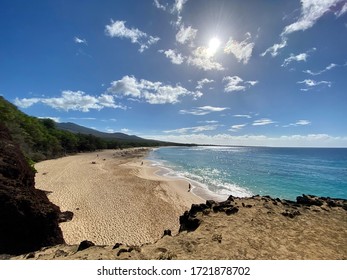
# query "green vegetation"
(40, 139)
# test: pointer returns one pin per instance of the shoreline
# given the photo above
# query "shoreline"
(114, 197)
(161, 172)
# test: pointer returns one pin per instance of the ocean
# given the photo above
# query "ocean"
(245, 171)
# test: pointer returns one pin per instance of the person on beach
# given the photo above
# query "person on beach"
(189, 187)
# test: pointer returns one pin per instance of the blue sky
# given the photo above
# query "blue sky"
(211, 72)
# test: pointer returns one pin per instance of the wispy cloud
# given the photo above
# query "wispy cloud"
(173, 55)
(261, 122)
(329, 67)
(148, 91)
(80, 41)
(72, 100)
(194, 129)
(201, 83)
(299, 123)
(237, 127)
(241, 50)
(342, 11)
(186, 35)
(242, 116)
(235, 83)
(160, 6)
(311, 84)
(204, 110)
(299, 57)
(177, 9)
(118, 29)
(311, 12)
(202, 58)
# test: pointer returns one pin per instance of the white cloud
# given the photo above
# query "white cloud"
(177, 9)
(194, 129)
(202, 58)
(342, 11)
(292, 57)
(243, 116)
(26, 102)
(329, 67)
(72, 100)
(151, 92)
(241, 50)
(299, 57)
(118, 29)
(311, 12)
(310, 84)
(299, 123)
(235, 83)
(56, 119)
(186, 35)
(204, 110)
(178, 5)
(80, 41)
(203, 82)
(309, 140)
(303, 122)
(176, 58)
(160, 6)
(274, 50)
(237, 127)
(261, 122)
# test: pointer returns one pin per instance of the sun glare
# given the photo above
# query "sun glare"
(213, 45)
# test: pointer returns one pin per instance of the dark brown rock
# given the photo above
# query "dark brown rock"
(291, 214)
(210, 203)
(65, 216)
(188, 222)
(85, 244)
(167, 232)
(309, 200)
(28, 220)
(117, 245)
(231, 210)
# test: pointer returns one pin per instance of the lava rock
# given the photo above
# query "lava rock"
(65, 216)
(85, 244)
(28, 220)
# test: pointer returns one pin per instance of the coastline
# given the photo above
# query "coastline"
(114, 197)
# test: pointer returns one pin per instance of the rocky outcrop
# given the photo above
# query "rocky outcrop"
(189, 220)
(28, 220)
(261, 228)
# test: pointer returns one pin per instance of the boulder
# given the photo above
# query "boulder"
(309, 200)
(85, 244)
(188, 222)
(65, 216)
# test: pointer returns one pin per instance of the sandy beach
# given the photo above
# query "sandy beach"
(115, 197)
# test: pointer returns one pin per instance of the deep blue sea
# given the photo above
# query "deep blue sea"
(246, 171)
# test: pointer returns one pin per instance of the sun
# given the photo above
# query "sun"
(213, 45)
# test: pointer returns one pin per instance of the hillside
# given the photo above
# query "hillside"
(41, 139)
(75, 128)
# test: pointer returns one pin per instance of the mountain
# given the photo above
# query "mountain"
(75, 128)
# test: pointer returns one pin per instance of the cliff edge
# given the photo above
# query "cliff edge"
(28, 220)
(259, 227)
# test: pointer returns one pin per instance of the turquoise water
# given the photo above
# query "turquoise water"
(246, 171)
